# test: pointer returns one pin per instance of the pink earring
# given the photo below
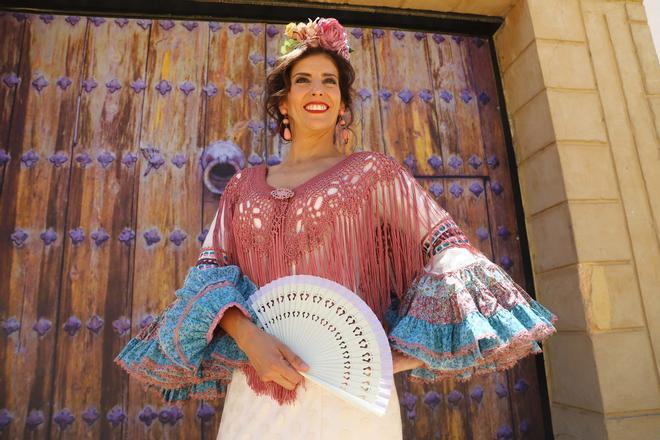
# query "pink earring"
(287, 132)
(342, 122)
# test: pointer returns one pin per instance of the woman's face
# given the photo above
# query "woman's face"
(314, 79)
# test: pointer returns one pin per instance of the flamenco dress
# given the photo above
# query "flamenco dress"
(367, 224)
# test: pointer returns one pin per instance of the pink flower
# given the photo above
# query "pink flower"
(312, 35)
(331, 34)
(303, 31)
(300, 32)
(324, 32)
(311, 28)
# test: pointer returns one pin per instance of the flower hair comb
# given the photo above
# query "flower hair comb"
(324, 32)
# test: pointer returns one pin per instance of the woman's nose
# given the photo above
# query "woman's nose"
(317, 88)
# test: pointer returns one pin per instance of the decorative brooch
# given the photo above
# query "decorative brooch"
(282, 193)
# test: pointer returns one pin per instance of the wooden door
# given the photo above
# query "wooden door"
(103, 210)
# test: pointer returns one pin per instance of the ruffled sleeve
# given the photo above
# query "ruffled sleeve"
(183, 352)
(461, 314)
(176, 352)
(218, 247)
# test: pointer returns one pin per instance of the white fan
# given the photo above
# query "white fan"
(335, 332)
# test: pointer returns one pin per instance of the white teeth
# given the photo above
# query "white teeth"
(316, 107)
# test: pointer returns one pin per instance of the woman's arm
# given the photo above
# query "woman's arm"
(271, 359)
(238, 326)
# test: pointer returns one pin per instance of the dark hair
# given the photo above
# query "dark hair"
(278, 82)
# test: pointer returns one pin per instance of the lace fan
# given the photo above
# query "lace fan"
(335, 332)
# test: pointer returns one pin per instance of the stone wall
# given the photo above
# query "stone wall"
(582, 85)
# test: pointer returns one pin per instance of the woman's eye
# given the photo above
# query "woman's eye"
(330, 80)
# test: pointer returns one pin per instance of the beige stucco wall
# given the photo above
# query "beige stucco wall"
(582, 89)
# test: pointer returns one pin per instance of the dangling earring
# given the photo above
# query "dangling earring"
(287, 132)
(342, 122)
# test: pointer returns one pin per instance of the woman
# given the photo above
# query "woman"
(360, 220)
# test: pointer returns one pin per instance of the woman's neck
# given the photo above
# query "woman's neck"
(310, 150)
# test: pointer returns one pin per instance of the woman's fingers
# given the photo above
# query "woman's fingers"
(293, 358)
(275, 362)
(285, 382)
(289, 373)
(286, 371)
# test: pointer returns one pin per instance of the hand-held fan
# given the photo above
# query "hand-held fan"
(334, 331)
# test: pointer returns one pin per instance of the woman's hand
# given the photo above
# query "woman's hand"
(272, 360)
(401, 362)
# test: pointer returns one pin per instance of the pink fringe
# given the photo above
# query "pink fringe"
(367, 237)
(220, 369)
(271, 389)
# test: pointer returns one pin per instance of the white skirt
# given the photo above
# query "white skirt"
(316, 414)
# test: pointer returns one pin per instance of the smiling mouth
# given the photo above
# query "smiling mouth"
(316, 109)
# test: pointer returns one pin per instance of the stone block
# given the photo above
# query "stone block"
(559, 290)
(574, 371)
(431, 5)
(628, 380)
(557, 20)
(633, 426)
(551, 239)
(648, 57)
(514, 35)
(570, 423)
(495, 8)
(541, 180)
(611, 295)
(576, 116)
(523, 79)
(655, 107)
(587, 172)
(636, 11)
(565, 65)
(600, 232)
(532, 126)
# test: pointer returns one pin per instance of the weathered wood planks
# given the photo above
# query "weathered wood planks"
(100, 268)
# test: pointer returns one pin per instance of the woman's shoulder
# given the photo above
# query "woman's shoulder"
(380, 158)
(381, 163)
(238, 180)
(371, 154)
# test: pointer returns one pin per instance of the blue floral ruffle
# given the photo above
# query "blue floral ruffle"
(178, 352)
(473, 320)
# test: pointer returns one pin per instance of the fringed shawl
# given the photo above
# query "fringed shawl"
(361, 223)
(367, 224)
